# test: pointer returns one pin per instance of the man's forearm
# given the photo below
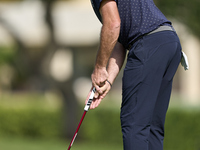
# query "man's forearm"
(108, 39)
(109, 36)
(116, 62)
(109, 32)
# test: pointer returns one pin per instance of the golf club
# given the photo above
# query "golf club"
(86, 108)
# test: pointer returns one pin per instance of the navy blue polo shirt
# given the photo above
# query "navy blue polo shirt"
(138, 17)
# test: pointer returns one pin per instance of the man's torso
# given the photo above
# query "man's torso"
(138, 17)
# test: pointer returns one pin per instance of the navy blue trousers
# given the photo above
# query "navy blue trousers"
(146, 89)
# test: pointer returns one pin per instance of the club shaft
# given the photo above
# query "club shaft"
(87, 106)
(74, 137)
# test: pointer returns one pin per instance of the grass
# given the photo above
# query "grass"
(182, 126)
(30, 144)
(8, 143)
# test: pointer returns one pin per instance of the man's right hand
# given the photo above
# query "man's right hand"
(98, 97)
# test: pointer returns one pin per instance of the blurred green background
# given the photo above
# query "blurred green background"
(47, 52)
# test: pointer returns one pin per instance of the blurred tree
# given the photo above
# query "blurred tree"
(70, 108)
(29, 72)
(186, 11)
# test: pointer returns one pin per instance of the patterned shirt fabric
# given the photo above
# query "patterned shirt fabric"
(138, 17)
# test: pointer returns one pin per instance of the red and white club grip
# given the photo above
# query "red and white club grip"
(87, 106)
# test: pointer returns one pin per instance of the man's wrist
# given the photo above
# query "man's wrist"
(98, 66)
(109, 82)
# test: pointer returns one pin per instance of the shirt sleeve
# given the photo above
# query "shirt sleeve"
(96, 6)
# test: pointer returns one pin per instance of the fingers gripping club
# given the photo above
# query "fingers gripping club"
(87, 106)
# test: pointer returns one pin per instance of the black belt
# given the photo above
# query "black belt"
(159, 29)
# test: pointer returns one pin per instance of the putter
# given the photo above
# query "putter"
(86, 108)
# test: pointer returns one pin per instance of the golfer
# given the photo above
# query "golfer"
(137, 27)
